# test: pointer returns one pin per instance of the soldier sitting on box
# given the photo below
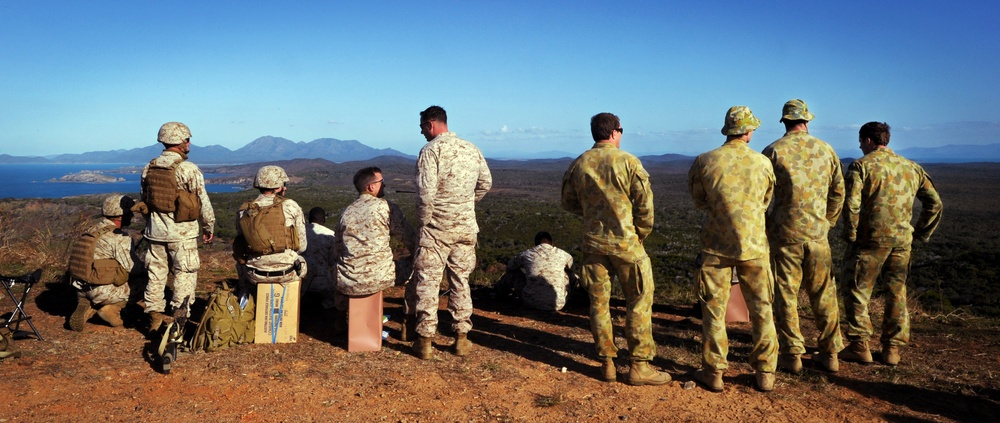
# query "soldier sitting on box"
(365, 263)
(270, 233)
(99, 264)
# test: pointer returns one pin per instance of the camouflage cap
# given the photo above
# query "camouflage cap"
(796, 110)
(112, 206)
(173, 133)
(740, 120)
(270, 177)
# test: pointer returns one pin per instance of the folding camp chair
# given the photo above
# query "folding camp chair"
(12, 320)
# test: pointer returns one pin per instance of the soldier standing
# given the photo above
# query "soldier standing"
(881, 189)
(99, 265)
(610, 189)
(364, 262)
(808, 199)
(270, 233)
(733, 185)
(452, 176)
(174, 196)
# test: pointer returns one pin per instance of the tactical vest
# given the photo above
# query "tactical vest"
(160, 187)
(83, 266)
(264, 228)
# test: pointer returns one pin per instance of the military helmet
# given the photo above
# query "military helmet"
(796, 110)
(173, 133)
(740, 120)
(270, 177)
(113, 206)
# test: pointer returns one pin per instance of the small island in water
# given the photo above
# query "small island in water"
(88, 176)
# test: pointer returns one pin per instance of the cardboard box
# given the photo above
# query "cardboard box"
(364, 323)
(277, 313)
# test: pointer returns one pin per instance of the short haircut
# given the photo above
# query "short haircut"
(434, 113)
(875, 131)
(317, 215)
(542, 236)
(365, 177)
(602, 125)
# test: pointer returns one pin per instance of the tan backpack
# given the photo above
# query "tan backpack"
(83, 266)
(163, 195)
(225, 323)
(264, 229)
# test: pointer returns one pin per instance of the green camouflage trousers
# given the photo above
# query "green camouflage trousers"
(862, 267)
(636, 279)
(179, 257)
(807, 265)
(757, 286)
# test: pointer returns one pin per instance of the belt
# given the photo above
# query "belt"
(267, 274)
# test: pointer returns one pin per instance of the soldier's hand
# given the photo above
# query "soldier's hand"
(208, 237)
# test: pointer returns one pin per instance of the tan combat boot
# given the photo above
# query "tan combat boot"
(711, 379)
(156, 319)
(890, 355)
(641, 373)
(765, 381)
(423, 347)
(82, 314)
(112, 313)
(462, 345)
(827, 362)
(608, 370)
(857, 352)
(792, 363)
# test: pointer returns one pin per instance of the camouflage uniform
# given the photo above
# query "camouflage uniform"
(364, 257)
(881, 188)
(808, 199)
(112, 245)
(452, 176)
(320, 257)
(173, 246)
(610, 189)
(734, 184)
(545, 283)
(277, 262)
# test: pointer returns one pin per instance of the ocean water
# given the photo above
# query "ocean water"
(32, 181)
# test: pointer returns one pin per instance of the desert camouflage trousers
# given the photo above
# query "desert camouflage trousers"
(807, 266)
(757, 286)
(862, 267)
(636, 280)
(102, 295)
(439, 252)
(180, 258)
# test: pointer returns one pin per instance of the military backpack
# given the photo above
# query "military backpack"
(84, 267)
(228, 320)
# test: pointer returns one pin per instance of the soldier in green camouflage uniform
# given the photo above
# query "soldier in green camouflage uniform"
(610, 189)
(733, 184)
(452, 176)
(881, 188)
(808, 199)
(173, 246)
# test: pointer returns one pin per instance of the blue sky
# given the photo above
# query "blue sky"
(516, 77)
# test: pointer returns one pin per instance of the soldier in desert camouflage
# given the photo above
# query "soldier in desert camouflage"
(808, 199)
(733, 184)
(99, 269)
(269, 247)
(881, 189)
(610, 189)
(364, 258)
(540, 276)
(452, 176)
(172, 238)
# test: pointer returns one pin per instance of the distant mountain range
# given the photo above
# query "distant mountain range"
(269, 149)
(262, 149)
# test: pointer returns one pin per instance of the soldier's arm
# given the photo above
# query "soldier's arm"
(570, 201)
(642, 203)
(835, 193)
(695, 187)
(485, 181)
(427, 185)
(400, 228)
(931, 209)
(299, 222)
(853, 184)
